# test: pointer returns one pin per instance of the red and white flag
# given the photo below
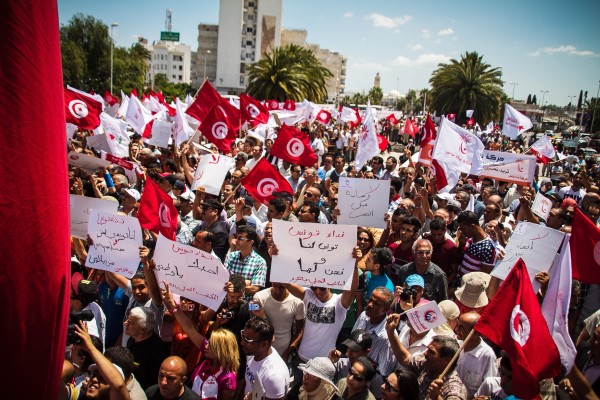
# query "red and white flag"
(392, 118)
(110, 99)
(116, 135)
(382, 142)
(513, 320)
(585, 246)
(324, 117)
(555, 307)
(218, 130)
(252, 111)
(263, 180)
(470, 122)
(366, 146)
(294, 147)
(350, 115)
(157, 212)
(425, 317)
(409, 128)
(82, 109)
(456, 151)
(273, 105)
(514, 122)
(122, 110)
(208, 97)
(427, 142)
(451, 117)
(289, 105)
(137, 115)
(543, 149)
(182, 132)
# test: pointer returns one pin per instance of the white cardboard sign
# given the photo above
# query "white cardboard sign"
(363, 202)
(211, 173)
(80, 212)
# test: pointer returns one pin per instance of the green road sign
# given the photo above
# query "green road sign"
(172, 36)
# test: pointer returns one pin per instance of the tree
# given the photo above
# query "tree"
(528, 99)
(291, 72)
(468, 84)
(534, 99)
(592, 107)
(375, 95)
(409, 106)
(580, 101)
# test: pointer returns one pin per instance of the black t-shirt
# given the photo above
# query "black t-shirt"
(153, 393)
(241, 315)
(149, 354)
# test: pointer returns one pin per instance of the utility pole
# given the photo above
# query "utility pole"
(513, 91)
(112, 45)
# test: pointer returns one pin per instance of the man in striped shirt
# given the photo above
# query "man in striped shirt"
(479, 253)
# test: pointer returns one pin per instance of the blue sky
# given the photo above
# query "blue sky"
(549, 46)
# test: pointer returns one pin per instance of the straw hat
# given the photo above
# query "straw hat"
(472, 292)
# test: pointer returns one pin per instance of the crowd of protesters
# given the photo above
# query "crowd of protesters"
(315, 342)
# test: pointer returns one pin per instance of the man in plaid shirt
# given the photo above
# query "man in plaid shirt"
(246, 262)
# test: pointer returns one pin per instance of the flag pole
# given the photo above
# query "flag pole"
(456, 355)
(200, 88)
(233, 192)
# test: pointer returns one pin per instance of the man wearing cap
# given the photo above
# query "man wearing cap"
(186, 201)
(372, 320)
(317, 382)
(357, 345)
(435, 280)
(210, 214)
(477, 360)
(84, 294)
(129, 200)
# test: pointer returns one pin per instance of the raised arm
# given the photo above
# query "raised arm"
(348, 295)
(150, 277)
(184, 321)
(294, 289)
(400, 352)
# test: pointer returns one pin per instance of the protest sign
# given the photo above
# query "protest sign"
(541, 206)
(313, 254)
(128, 166)
(363, 202)
(80, 211)
(536, 245)
(425, 317)
(116, 242)
(211, 172)
(86, 162)
(508, 167)
(190, 272)
(98, 142)
(161, 133)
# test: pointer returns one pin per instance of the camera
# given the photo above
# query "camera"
(74, 318)
(253, 306)
(227, 315)
(407, 293)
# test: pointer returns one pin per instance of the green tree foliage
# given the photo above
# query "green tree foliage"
(467, 84)
(170, 90)
(375, 95)
(592, 105)
(291, 72)
(534, 99)
(528, 99)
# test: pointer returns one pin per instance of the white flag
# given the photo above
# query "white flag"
(182, 131)
(514, 122)
(137, 115)
(555, 307)
(456, 151)
(349, 115)
(367, 145)
(122, 111)
(543, 147)
(490, 127)
(116, 135)
(469, 113)
(425, 317)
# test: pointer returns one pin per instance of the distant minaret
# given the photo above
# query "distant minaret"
(377, 81)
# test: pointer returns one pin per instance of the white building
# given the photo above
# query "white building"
(247, 30)
(172, 59)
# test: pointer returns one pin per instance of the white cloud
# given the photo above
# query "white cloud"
(382, 21)
(445, 32)
(369, 66)
(564, 49)
(425, 33)
(348, 14)
(423, 59)
(415, 47)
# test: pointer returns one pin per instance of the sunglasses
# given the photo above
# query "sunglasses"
(309, 194)
(363, 239)
(247, 340)
(387, 386)
(356, 377)
(315, 288)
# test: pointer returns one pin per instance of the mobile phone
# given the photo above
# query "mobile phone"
(253, 306)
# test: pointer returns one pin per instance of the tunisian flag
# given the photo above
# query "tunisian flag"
(513, 320)
(409, 128)
(543, 149)
(382, 142)
(427, 142)
(294, 147)
(253, 111)
(392, 118)
(208, 97)
(217, 128)
(263, 180)
(157, 212)
(585, 250)
(323, 116)
(82, 109)
(35, 269)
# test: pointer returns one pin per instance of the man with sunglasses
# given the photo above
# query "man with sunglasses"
(210, 214)
(266, 373)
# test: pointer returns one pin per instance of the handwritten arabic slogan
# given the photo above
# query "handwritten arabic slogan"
(541, 206)
(313, 254)
(117, 239)
(211, 172)
(80, 212)
(509, 167)
(536, 245)
(190, 272)
(363, 202)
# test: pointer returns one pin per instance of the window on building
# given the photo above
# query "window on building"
(249, 30)
(248, 42)
(181, 67)
(251, 4)
(180, 77)
(251, 17)
(174, 77)
(242, 68)
(241, 80)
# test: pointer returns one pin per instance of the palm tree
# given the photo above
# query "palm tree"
(468, 84)
(291, 72)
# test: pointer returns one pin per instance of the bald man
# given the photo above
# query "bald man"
(477, 361)
(171, 379)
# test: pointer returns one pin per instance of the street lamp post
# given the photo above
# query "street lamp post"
(113, 25)
(205, 57)
(513, 92)
(543, 95)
